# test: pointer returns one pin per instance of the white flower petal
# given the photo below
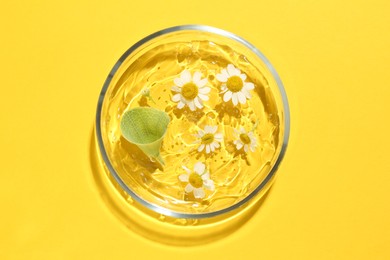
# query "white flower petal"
(180, 105)
(184, 177)
(239, 145)
(203, 97)
(241, 97)
(185, 76)
(232, 70)
(201, 83)
(253, 147)
(189, 188)
(216, 145)
(227, 96)
(198, 102)
(249, 86)
(253, 141)
(206, 176)
(214, 129)
(223, 89)
(209, 184)
(176, 98)
(221, 77)
(196, 77)
(176, 89)
(199, 168)
(242, 130)
(186, 169)
(208, 129)
(204, 90)
(200, 133)
(178, 82)
(207, 148)
(246, 93)
(218, 136)
(243, 77)
(246, 148)
(200, 148)
(191, 105)
(235, 99)
(225, 73)
(199, 193)
(212, 147)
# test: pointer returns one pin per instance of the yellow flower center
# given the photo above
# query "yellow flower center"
(245, 138)
(195, 180)
(208, 138)
(189, 91)
(234, 83)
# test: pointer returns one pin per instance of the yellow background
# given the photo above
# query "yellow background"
(331, 197)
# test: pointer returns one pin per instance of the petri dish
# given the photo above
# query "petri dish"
(210, 158)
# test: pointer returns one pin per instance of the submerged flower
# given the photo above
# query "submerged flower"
(209, 139)
(197, 180)
(234, 85)
(190, 91)
(245, 139)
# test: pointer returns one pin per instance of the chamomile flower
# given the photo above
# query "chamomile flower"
(197, 180)
(245, 139)
(234, 85)
(209, 139)
(190, 91)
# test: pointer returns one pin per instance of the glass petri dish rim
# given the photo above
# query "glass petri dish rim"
(162, 210)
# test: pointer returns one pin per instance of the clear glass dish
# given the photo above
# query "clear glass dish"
(227, 133)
